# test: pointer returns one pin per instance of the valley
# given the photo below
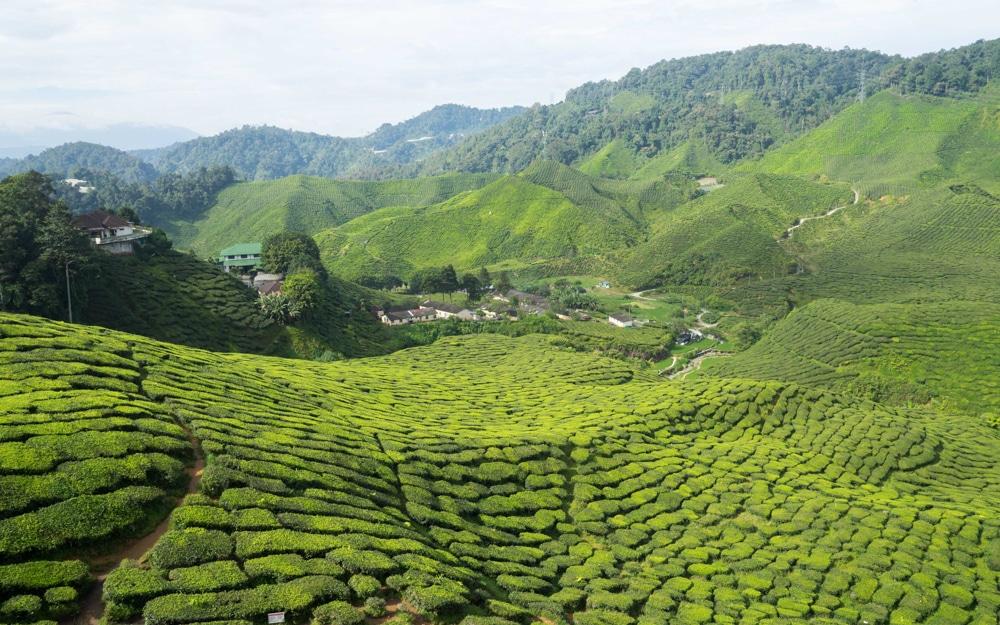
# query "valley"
(714, 343)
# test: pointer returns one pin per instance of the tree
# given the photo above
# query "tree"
(484, 277)
(38, 243)
(503, 282)
(449, 280)
(60, 245)
(303, 288)
(279, 308)
(287, 251)
(471, 285)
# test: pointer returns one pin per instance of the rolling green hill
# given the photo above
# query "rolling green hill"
(178, 298)
(250, 211)
(510, 222)
(937, 244)
(894, 142)
(482, 480)
(729, 235)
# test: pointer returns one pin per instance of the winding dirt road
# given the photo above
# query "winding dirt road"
(695, 363)
(639, 295)
(833, 211)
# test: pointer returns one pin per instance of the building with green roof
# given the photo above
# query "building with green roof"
(245, 257)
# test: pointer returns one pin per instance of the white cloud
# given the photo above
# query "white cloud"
(346, 66)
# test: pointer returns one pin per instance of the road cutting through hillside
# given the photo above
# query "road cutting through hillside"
(788, 233)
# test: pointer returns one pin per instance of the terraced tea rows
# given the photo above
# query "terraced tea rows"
(85, 459)
(494, 480)
(894, 352)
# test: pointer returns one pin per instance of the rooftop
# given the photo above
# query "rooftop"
(97, 220)
(240, 249)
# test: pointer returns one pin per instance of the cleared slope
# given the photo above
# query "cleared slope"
(494, 477)
(892, 141)
(511, 221)
(729, 235)
(250, 211)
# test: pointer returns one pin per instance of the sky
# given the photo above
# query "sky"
(344, 67)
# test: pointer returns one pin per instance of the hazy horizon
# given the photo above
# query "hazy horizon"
(211, 66)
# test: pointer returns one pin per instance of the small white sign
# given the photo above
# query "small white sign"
(275, 617)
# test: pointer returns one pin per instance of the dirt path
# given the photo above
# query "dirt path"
(695, 363)
(639, 295)
(92, 607)
(833, 211)
(701, 325)
(394, 607)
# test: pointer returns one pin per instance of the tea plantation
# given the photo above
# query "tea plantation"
(945, 351)
(483, 480)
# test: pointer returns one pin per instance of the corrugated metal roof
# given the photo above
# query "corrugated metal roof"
(241, 248)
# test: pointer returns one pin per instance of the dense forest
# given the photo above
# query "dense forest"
(266, 152)
(168, 197)
(66, 160)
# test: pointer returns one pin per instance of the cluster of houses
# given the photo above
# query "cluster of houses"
(116, 235)
(111, 233)
(432, 311)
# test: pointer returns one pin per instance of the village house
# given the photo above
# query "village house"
(80, 185)
(243, 257)
(622, 320)
(447, 311)
(688, 336)
(268, 283)
(413, 315)
(111, 233)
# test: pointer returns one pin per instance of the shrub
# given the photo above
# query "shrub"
(61, 594)
(219, 575)
(20, 607)
(40, 575)
(374, 607)
(364, 586)
(78, 521)
(437, 599)
(130, 585)
(295, 597)
(337, 613)
(602, 617)
(190, 546)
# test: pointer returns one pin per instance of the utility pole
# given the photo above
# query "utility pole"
(861, 92)
(69, 298)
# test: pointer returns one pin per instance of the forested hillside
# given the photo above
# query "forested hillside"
(159, 292)
(70, 159)
(259, 153)
(728, 106)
